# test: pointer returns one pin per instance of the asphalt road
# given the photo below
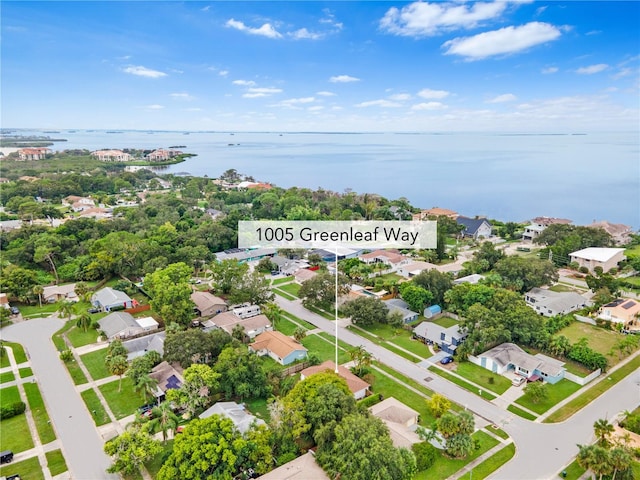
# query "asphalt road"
(81, 443)
(542, 450)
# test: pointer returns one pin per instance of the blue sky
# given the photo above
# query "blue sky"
(322, 66)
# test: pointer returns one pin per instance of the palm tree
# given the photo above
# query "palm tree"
(273, 313)
(594, 458)
(38, 290)
(299, 333)
(620, 460)
(147, 385)
(362, 359)
(118, 365)
(603, 430)
(84, 322)
(163, 420)
(66, 309)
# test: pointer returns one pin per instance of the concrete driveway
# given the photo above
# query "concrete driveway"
(81, 443)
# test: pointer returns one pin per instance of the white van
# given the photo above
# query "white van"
(517, 381)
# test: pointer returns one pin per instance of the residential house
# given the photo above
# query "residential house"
(401, 420)
(164, 184)
(475, 228)
(34, 153)
(451, 268)
(282, 349)
(447, 339)
(138, 347)
(245, 254)
(330, 254)
(549, 303)
(546, 221)
(303, 467)
(4, 301)
(398, 305)
(78, 204)
(107, 299)
(111, 156)
(592, 257)
(358, 387)
(539, 224)
(621, 310)
(213, 213)
(161, 155)
(620, 233)
(435, 212)
(510, 358)
(120, 325)
(303, 275)
(8, 225)
(472, 279)
(227, 321)
(169, 376)
(207, 304)
(235, 412)
(57, 293)
(412, 269)
(98, 213)
(283, 264)
(391, 258)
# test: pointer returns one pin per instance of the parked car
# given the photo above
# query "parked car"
(517, 381)
(447, 359)
(6, 456)
(93, 310)
(14, 310)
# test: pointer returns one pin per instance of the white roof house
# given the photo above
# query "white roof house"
(236, 413)
(550, 303)
(593, 257)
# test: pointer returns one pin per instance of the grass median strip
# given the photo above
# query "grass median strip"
(593, 392)
(39, 412)
(29, 469)
(521, 413)
(95, 407)
(573, 471)
(25, 372)
(18, 351)
(77, 375)
(56, 462)
(7, 377)
(491, 464)
(94, 362)
(284, 294)
(462, 383)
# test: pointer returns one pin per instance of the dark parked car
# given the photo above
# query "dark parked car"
(6, 456)
(446, 360)
(14, 310)
(93, 310)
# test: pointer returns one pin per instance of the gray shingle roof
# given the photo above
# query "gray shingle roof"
(109, 296)
(510, 353)
(115, 322)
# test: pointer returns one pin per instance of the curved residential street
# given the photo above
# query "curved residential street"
(542, 450)
(81, 443)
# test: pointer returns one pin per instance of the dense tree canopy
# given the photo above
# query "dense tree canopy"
(365, 310)
(171, 293)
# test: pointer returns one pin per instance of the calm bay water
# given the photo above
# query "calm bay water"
(588, 177)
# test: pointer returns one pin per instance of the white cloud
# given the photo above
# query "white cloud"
(421, 19)
(379, 103)
(330, 19)
(326, 94)
(265, 30)
(503, 41)
(254, 95)
(507, 97)
(223, 73)
(399, 97)
(299, 100)
(432, 94)
(549, 70)
(304, 34)
(193, 109)
(144, 72)
(343, 79)
(244, 83)
(315, 108)
(155, 106)
(205, 9)
(625, 71)
(591, 69)
(429, 106)
(260, 92)
(182, 96)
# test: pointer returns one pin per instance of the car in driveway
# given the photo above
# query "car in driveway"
(447, 359)
(14, 310)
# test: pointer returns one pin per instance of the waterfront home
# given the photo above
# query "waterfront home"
(620, 233)
(34, 153)
(111, 156)
(435, 212)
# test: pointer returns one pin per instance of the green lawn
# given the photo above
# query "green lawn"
(94, 361)
(25, 372)
(323, 313)
(35, 310)
(462, 383)
(400, 377)
(587, 396)
(258, 407)
(521, 413)
(286, 326)
(557, 393)
(445, 322)
(291, 288)
(79, 337)
(18, 351)
(599, 339)
(324, 349)
(280, 281)
(444, 467)
(398, 336)
(39, 412)
(4, 360)
(284, 294)
(7, 377)
(14, 434)
(304, 323)
(492, 381)
(126, 401)
(56, 462)
(332, 340)
(9, 395)
(58, 341)
(29, 469)
(77, 375)
(491, 464)
(95, 407)
(574, 471)
(153, 465)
